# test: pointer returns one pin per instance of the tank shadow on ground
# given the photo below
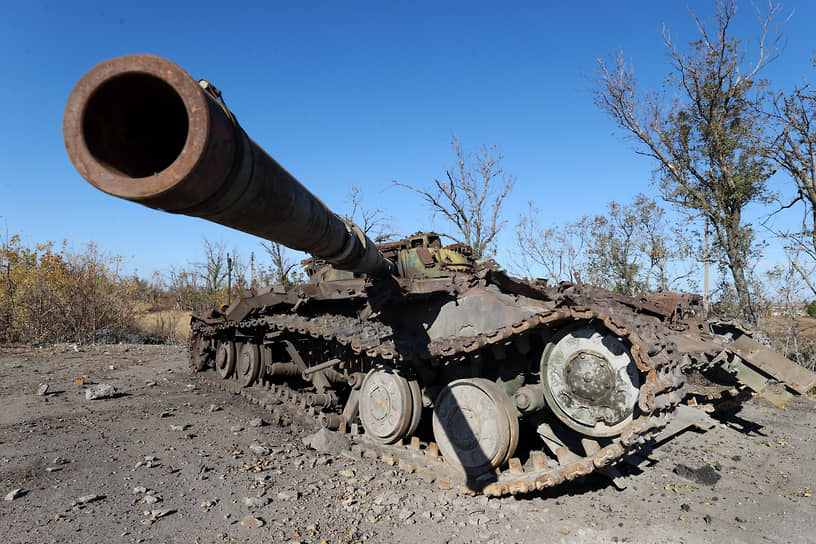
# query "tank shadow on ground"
(741, 425)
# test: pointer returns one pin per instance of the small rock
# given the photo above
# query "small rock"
(100, 391)
(707, 519)
(258, 449)
(42, 389)
(179, 427)
(326, 441)
(389, 499)
(347, 474)
(150, 499)
(404, 514)
(156, 514)
(149, 462)
(165, 414)
(257, 422)
(85, 499)
(685, 507)
(215, 408)
(236, 429)
(53, 469)
(60, 461)
(191, 387)
(255, 502)
(252, 522)
(139, 490)
(288, 495)
(151, 384)
(15, 493)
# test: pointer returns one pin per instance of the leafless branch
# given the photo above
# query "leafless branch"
(470, 196)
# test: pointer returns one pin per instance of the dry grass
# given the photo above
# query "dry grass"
(174, 325)
(801, 347)
(781, 324)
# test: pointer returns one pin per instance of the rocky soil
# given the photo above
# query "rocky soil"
(169, 459)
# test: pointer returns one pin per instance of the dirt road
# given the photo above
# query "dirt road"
(169, 459)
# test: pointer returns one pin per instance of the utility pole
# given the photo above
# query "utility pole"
(229, 279)
(705, 267)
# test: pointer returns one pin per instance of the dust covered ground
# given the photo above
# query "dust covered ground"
(172, 460)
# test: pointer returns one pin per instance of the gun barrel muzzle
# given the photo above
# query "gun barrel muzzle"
(140, 128)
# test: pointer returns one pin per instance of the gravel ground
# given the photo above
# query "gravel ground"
(167, 459)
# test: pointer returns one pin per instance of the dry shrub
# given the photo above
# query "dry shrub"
(50, 294)
(794, 337)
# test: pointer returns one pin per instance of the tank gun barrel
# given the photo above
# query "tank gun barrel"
(140, 128)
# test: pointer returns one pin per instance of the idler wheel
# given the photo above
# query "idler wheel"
(225, 359)
(475, 425)
(390, 406)
(249, 364)
(591, 381)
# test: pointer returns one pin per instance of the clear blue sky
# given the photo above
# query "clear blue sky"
(347, 93)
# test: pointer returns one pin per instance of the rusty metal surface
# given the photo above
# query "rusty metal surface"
(140, 128)
(771, 389)
(792, 375)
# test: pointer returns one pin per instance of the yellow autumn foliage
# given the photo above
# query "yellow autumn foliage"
(50, 293)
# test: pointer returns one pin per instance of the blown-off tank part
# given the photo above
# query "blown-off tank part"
(140, 128)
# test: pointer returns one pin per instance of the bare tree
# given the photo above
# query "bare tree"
(559, 250)
(669, 248)
(206, 284)
(613, 255)
(373, 221)
(632, 248)
(281, 266)
(794, 149)
(214, 269)
(787, 290)
(707, 143)
(803, 262)
(470, 196)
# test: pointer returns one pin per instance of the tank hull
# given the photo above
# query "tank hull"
(480, 350)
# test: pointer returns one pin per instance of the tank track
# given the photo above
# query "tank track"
(661, 390)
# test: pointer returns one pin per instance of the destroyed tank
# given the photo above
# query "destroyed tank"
(428, 358)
